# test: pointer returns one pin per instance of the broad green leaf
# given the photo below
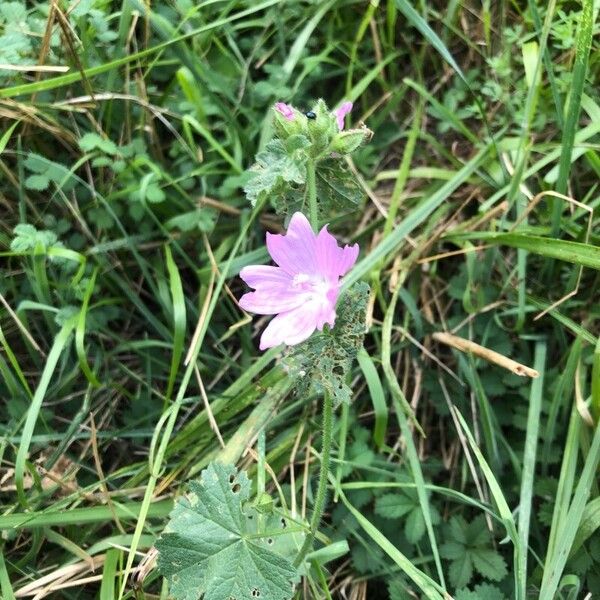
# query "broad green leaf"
(461, 570)
(211, 549)
(280, 165)
(39, 183)
(393, 506)
(489, 563)
(337, 187)
(468, 547)
(414, 527)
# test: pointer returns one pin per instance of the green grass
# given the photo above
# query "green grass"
(126, 366)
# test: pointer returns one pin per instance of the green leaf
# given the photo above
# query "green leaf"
(489, 563)
(211, 549)
(393, 506)
(4, 139)
(468, 546)
(154, 194)
(27, 238)
(461, 570)
(203, 219)
(415, 525)
(13, 12)
(397, 590)
(452, 550)
(337, 187)
(280, 165)
(589, 524)
(39, 183)
(458, 529)
(417, 21)
(485, 591)
(580, 67)
(573, 252)
(93, 141)
(49, 171)
(14, 47)
(100, 217)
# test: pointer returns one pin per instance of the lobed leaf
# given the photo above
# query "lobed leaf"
(211, 548)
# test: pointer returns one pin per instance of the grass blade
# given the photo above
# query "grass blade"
(414, 218)
(559, 553)
(402, 409)
(584, 44)
(5, 585)
(36, 404)
(427, 585)
(179, 319)
(377, 396)
(80, 516)
(500, 500)
(529, 462)
(573, 252)
(109, 574)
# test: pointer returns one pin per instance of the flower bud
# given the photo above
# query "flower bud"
(348, 141)
(287, 121)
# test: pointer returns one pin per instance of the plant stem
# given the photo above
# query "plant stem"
(311, 192)
(323, 474)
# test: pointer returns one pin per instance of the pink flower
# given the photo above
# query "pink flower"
(286, 110)
(303, 289)
(341, 112)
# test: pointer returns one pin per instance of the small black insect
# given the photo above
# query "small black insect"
(310, 115)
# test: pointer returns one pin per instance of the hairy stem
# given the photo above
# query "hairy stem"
(311, 193)
(323, 474)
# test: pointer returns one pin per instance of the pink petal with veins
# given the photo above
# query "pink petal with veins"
(294, 252)
(303, 289)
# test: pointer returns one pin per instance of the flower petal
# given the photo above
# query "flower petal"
(265, 276)
(291, 327)
(271, 302)
(333, 261)
(341, 112)
(286, 110)
(295, 252)
(274, 290)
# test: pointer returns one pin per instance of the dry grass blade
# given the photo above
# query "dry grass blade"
(482, 352)
(34, 68)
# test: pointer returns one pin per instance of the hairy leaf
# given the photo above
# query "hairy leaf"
(337, 187)
(325, 360)
(281, 165)
(211, 548)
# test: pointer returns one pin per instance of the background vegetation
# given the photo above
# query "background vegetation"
(123, 228)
